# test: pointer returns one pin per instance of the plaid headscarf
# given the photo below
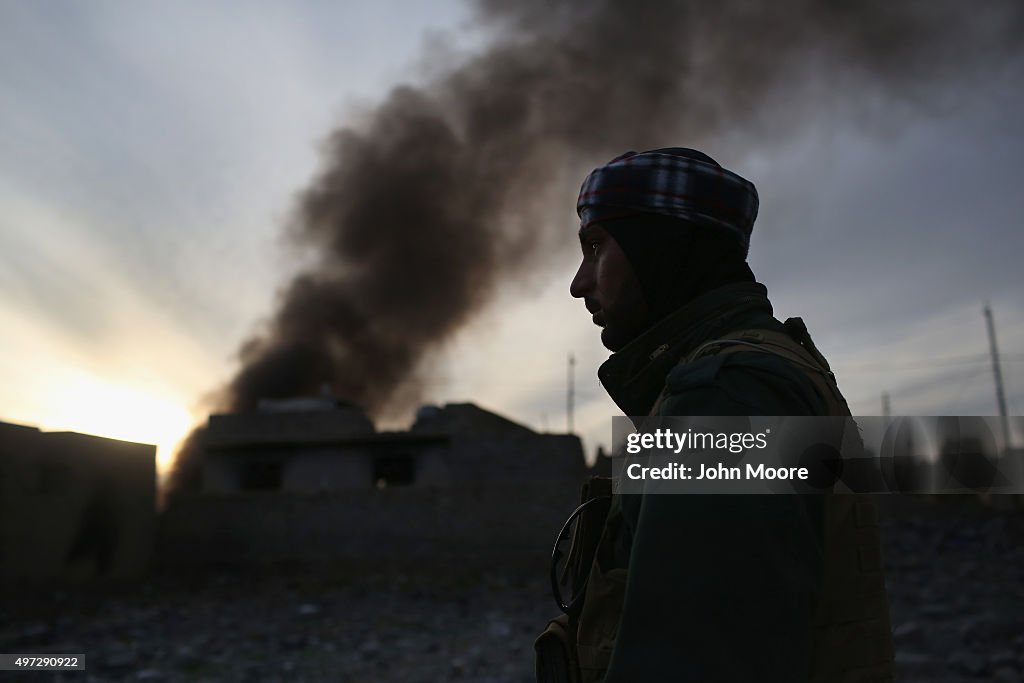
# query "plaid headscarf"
(677, 182)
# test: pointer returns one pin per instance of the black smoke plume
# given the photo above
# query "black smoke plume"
(447, 190)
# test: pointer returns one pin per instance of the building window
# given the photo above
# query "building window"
(261, 476)
(394, 470)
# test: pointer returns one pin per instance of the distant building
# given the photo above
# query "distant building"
(309, 446)
(296, 445)
(312, 478)
(74, 506)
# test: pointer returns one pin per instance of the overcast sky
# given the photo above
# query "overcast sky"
(151, 152)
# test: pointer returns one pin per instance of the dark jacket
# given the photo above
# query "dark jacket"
(710, 587)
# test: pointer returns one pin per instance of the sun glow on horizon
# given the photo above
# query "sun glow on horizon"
(86, 403)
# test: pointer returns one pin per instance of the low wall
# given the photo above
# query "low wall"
(474, 526)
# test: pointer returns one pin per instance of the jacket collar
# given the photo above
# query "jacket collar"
(635, 375)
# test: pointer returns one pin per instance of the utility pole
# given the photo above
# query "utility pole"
(570, 396)
(886, 407)
(1000, 396)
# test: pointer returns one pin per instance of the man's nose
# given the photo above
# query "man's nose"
(581, 282)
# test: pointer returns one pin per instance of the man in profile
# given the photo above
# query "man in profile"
(703, 587)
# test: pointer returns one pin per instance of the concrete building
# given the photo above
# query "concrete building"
(292, 446)
(318, 446)
(74, 506)
(312, 479)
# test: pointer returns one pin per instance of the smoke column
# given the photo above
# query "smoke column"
(446, 190)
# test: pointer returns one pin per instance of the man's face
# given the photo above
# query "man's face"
(609, 288)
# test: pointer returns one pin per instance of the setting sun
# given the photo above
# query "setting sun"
(86, 403)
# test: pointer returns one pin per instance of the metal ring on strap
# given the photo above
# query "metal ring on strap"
(556, 555)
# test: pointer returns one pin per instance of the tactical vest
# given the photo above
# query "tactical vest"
(850, 631)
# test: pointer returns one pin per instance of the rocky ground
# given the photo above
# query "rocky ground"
(955, 571)
(955, 574)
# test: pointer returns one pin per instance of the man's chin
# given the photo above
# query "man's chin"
(616, 336)
(612, 341)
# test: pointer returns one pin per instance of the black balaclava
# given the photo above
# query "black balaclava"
(675, 261)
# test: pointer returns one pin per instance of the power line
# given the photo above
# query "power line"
(978, 372)
(922, 385)
(930, 364)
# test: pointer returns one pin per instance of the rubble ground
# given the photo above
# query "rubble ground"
(955, 572)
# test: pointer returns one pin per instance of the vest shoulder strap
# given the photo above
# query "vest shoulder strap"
(794, 345)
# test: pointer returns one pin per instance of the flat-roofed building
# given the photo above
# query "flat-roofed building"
(312, 478)
(74, 506)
